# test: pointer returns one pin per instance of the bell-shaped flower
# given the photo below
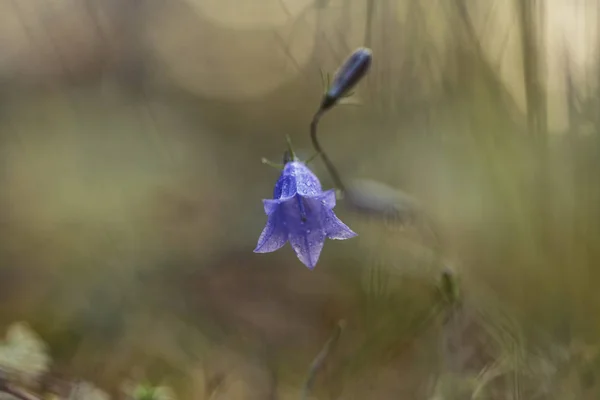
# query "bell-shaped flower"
(301, 213)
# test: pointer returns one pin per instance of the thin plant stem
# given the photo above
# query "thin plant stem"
(317, 363)
(337, 180)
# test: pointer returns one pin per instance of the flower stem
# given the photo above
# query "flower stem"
(320, 359)
(337, 180)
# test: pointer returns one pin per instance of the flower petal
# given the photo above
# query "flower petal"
(328, 199)
(335, 228)
(307, 183)
(270, 206)
(307, 245)
(286, 184)
(273, 236)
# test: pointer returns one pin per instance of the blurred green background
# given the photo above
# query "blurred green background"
(131, 134)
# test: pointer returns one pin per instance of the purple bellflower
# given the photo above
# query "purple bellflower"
(301, 213)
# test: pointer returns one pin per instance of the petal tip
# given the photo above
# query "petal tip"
(309, 265)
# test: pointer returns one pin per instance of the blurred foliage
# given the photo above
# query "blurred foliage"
(131, 134)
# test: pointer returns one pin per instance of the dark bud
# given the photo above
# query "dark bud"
(349, 74)
(449, 286)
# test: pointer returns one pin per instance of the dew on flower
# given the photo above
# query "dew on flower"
(301, 213)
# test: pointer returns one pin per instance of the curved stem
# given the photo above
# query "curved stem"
(337, 180)
(317, 363)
